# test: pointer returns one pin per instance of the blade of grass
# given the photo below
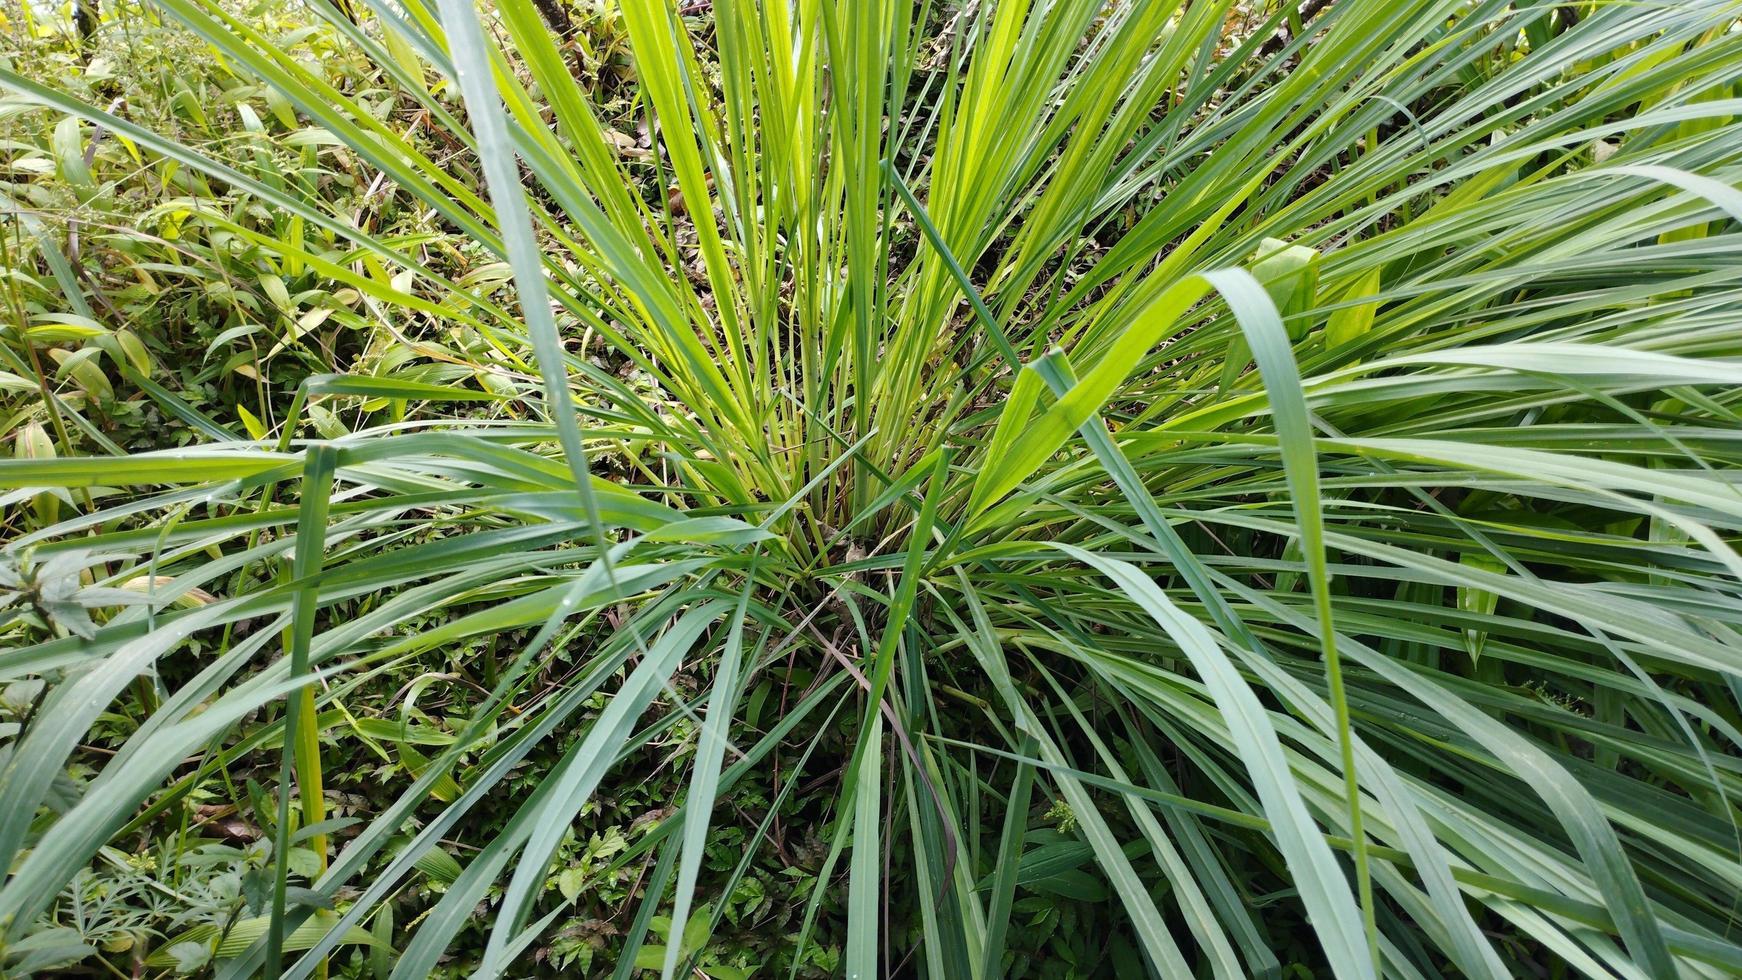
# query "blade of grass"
(301, 754)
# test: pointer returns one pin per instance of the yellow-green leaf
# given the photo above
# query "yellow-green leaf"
(1354, 316)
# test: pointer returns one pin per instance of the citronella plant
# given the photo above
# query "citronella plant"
(1289, 470)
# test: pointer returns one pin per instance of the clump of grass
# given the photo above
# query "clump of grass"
(1265, 478)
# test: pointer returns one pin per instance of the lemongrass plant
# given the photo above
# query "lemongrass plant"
(1304, 453)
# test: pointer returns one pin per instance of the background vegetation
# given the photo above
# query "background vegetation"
(1039, 488)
